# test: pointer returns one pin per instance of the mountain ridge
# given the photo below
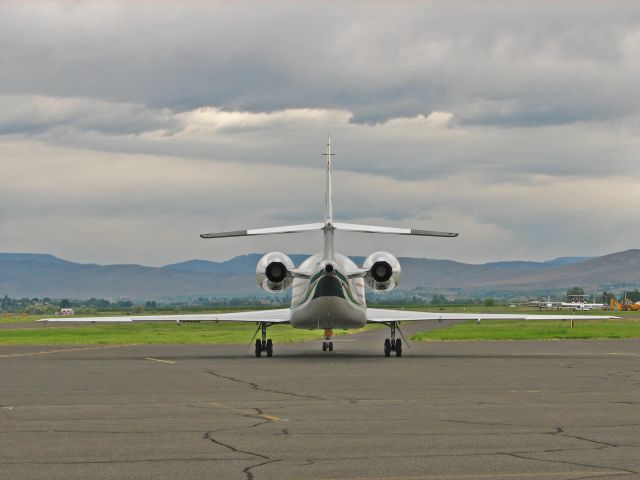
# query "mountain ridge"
(40, 275)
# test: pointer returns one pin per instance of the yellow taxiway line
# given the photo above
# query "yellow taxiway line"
(247, 412)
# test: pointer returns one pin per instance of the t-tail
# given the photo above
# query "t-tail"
(328, 205)
(329, 226)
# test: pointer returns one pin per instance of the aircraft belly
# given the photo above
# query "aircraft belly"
(329, 312)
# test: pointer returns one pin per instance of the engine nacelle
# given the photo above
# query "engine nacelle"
(383, 271)
(273, 272)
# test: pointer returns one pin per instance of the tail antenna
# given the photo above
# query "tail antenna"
(328, 216)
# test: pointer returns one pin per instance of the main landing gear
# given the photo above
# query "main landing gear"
(327, 344)
(264, 345)
(392, 344)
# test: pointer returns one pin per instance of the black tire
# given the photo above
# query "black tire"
(398, 348)
(331, 346)
(324, 346)
(387, 347)
(258, 348)
(269, 348)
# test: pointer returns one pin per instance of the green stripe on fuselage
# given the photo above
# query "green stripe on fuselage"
(343, 283)
(329, 286)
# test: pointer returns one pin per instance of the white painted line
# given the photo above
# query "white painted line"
(159, 360)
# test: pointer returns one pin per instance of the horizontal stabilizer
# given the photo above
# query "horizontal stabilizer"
(350, 227)
(266, 231)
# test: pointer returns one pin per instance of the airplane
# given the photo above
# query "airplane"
(328, 288)
(574, 304)
(542, 304)
(577, 304)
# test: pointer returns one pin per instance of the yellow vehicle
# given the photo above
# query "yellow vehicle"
(626, 305)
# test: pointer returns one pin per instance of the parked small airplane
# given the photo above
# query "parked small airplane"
(579, 302)
(542, 304)
(328, 289)
(575, 304)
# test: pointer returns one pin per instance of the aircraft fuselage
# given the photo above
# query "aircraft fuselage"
(328, 299)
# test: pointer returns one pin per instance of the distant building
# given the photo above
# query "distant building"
(66, 311)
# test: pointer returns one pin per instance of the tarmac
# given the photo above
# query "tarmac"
(445, 410)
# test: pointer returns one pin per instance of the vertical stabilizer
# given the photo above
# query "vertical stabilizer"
(328, 211)
(328, 207)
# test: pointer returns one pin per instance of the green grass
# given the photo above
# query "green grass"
(20, 318)
(534, 330)
(239, 333)
(156, 333)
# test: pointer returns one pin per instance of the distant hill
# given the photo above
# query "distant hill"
(616, 269)
(41, 275)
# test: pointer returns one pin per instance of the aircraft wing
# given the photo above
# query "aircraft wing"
(281, 315)
(381, 315)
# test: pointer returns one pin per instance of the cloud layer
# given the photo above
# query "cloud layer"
(127, 129)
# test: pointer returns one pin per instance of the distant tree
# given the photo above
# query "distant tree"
(65, 303)
(575, 291)
(150, 304)
(607, 297)
(438, 299)
(634, 296)
(124, 304)
(489, 302)
(138, 309)
(102, 304)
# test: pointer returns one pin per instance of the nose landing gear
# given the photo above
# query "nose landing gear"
(327, 344)
(392, 344)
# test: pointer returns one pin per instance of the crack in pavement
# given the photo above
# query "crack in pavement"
(558, 431)
(566, 462)
(257, 387)
(627, 403)
(561, 433)
(248, 471)
(603, 474)
(133, 460)
(209, 436)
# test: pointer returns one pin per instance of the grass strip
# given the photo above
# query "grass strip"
(534, 330)
(157, 333)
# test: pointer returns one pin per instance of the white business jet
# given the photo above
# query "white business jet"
(328, 289)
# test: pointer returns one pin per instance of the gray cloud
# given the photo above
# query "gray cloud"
(33, 114)
(517, 64)
(128, 129)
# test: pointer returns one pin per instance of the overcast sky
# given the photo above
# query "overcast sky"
(127, 129)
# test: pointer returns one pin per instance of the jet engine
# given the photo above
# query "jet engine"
(383, 271)
(273, 272)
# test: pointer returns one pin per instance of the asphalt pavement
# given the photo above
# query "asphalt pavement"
(445, 410)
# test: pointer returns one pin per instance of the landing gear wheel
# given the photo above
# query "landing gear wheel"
(331, 346)
(398, 347)
(387, 347)
(258, 348)
(269, 348)
(324, 346)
